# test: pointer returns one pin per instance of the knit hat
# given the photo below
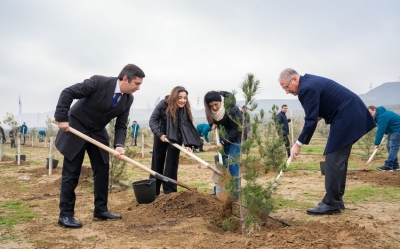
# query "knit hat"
(212, 96)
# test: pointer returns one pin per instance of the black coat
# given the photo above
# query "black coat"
(283, 120)
(90, 114)
(346, 113)
(181, 131)
(3, 136)
(158, 119)
(229, 122)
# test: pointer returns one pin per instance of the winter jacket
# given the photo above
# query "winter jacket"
(229, 122)
(158, 119)
(135, 130)
(203, 130)
(388, 122)
(283, 120)
(346, 113)
(23, 129)
(161, 124)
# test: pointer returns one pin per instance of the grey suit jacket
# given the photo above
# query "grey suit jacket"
(90, 114)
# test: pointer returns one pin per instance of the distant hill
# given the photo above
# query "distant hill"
(386, 94)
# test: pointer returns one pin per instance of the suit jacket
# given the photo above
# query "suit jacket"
(284, 121)
(347, 115)
(90, 114)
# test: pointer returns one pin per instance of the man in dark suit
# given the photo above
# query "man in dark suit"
(284, 122)
(100, 99)
(349, 120)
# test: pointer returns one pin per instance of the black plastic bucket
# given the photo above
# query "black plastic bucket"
(21, 157)
(322, 167)
(54, 163)
(145, 190)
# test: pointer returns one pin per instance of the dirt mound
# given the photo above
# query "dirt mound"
(376, 177)
(185, 204)
(316, 234)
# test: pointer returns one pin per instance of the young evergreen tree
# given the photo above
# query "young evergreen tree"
(255, 200)
(117, 171)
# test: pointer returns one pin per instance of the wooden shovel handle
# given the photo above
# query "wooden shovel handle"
(184, 150)
(123, 157)
(218, 144)
(376, 150)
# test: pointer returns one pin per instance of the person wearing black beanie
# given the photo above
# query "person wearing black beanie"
(217, 117)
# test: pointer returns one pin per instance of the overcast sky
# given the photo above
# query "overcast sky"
(47, 45)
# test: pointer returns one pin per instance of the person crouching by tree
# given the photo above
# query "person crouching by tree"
(203, 130)
(218, 117)
(171, 119)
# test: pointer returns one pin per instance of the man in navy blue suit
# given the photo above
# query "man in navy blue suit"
(349, 120)
(99, 100)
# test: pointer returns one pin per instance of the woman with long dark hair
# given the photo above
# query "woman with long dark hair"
(171, 120)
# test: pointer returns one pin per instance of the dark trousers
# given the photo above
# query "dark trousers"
(70, 176)
(336, 164)
(287, 145)
(134, 138)
(165, 153)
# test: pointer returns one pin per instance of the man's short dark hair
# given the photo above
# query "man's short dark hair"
(131, 71)
(284, 105)
(371, 107)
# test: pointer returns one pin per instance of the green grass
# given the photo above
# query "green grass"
(366, 194)
(8, 237)
(281, 203)
(14, 212)
(23, 187)
(201, 186)
(318, 150)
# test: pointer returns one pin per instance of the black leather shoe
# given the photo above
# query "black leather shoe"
(323, 209)
(107, 216)
(342, 207)
(69, 222)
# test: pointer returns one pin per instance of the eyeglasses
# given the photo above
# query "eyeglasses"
(287, 86)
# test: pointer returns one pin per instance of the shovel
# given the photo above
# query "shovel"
(218, 174)
(205, 141)
(376, 150)
(125, 158)
(220, 192)
(279, 176)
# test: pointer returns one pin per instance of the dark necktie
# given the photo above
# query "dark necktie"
(115, 100)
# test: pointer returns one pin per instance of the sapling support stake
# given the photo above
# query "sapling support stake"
(50, 157)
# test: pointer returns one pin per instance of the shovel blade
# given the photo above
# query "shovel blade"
(217, 179)
(221, 193)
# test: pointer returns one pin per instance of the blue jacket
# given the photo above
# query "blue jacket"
(346, 113)
(388, 122)
(283, 120)
(203, 130)
(135, 130)
(23, 129)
